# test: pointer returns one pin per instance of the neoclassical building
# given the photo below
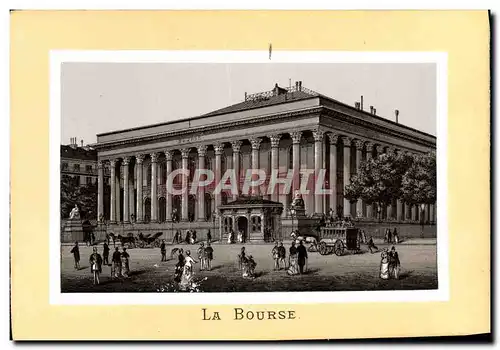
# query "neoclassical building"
(282, 129)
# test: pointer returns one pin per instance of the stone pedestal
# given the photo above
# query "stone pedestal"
(72, 231)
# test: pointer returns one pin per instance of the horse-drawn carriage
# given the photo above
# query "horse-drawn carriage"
(337, 239)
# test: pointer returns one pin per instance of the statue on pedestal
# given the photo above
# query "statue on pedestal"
(297, 200)
(75, 213)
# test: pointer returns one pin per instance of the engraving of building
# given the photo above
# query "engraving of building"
(282, 129)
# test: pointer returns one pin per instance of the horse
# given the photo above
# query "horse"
(307, 239)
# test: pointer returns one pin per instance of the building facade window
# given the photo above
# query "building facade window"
(88, 180)
(88, 168)
(64, 166)
(76, 167)
(256, 224)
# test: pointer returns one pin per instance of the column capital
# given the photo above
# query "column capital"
(112, 163)
(169, 154)
(333, 138)
(139, 158)
(347, 141)
(202, 150)
(379, 148)
(359, 145)
(100, 164)
(236, 145)
(126, 161)
(255, 141)
(369, 146)
(296, 136)
(318, 135)
(185, 152)
(154, 157)
(218, 148)
(275, 140)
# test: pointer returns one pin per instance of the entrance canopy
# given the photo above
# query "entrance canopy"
(256, 218)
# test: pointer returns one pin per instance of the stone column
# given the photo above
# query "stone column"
(296, 136)
(218, 148)
(414, 209)
(333, 170)
(255, 141)
(100, 190)
(202, 151)
(359, 149)
(369, 155)
(433, 213)
(139, 159)
(168, 194)
(275, 140)
(112, 201)
(347, 172)
(399, 210)
(185, 194)
(117, 196)
(318, 163)
(236, 145)
(126, 198)
(154, 189)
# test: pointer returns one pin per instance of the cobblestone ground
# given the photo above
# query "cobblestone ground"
(325, 273)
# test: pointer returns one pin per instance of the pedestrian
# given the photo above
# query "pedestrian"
(105, 254)
(389, 236)
(201, 255)
(117, 263)
(163, 250)
(302, 257)
(293, 268)
(241, 258)
(281, 255)
(187, 274)
(384, 265)
(395, 236)
(125, 263)
(394, 263)
(179, 267)
(372, 245)
(76, 255)
(274, 254)
(209, 236)
(230, 236)
(209, 256)
(95, 261)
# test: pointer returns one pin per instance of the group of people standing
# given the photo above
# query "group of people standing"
(389, 264)
(297, 259)
(120, 261)
(232, 238)
(184, 268)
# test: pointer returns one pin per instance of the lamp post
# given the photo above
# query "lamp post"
(422, 219)
(292, 214)
(213, 221)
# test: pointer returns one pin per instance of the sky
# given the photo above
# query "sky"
(103, 97)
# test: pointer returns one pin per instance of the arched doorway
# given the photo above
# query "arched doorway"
(176, 205)
(208, 206)
(191, 207)
(243, 227)
(162, 204)
(147, 209)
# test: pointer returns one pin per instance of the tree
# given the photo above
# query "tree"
(83, 196)
(379, 180)
(419, 182)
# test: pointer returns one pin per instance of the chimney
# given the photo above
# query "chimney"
(361, 107)
(374, 111)
(81, 141)
(300, 85)
(296, 86)
(371, 109)
(246, 95)
(396, 112)
(356, 104)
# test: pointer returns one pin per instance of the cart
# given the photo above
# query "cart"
(334, 239)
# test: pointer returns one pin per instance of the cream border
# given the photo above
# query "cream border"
(464, 35)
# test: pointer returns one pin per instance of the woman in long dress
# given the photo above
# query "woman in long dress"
(125, 263)
(293, 261)
(187, 274)
(384, 265)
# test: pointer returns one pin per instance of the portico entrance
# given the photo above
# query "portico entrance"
(255, 217)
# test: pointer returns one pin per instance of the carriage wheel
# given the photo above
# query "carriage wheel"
(323, 249)
(338, 248)
(330, 249)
